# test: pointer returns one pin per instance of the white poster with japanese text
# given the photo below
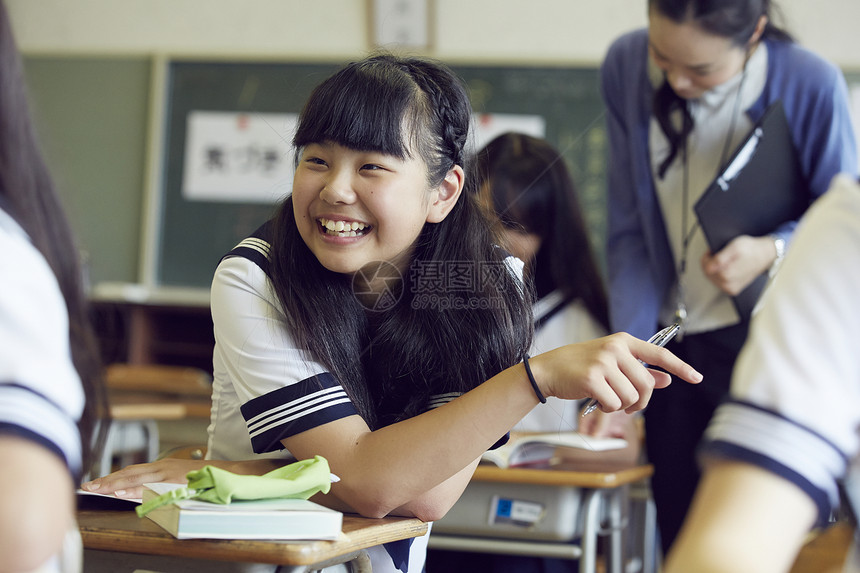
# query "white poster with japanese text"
(238, 157)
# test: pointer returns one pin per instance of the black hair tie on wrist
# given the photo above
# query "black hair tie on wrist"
(531, 376)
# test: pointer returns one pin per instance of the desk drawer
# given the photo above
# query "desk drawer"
(521, 511)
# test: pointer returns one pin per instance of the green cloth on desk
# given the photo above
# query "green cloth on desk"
(298, 480)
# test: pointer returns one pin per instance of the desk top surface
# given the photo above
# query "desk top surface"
(592, 474)
(143, 407)
(123, 531)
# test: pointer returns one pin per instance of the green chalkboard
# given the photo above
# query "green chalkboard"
(91, 115)
(194, 234)
(569, 100)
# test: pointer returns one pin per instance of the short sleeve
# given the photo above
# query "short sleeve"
(41, 397)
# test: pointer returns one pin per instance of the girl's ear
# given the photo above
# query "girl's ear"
(446, 195)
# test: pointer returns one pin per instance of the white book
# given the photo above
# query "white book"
(530, 449)
(259, 519)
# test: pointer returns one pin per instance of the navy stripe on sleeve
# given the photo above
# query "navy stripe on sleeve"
(736, 452)
(255, 248)
(10, 429)
(293, 409)
(32, 415)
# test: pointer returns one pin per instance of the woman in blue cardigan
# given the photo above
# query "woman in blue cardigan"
(680, 96)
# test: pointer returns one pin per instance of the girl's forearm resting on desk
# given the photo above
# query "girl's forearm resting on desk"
(393, 466)
(420, 466)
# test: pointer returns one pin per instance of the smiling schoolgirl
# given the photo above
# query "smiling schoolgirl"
(403, 401)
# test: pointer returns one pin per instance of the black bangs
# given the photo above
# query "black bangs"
(345, 109)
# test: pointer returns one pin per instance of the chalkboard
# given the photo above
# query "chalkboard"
(91, 115)
(569, 100)
(194, 234)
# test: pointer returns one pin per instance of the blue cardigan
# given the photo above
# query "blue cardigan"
(639, 259)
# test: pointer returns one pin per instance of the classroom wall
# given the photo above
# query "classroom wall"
(573, 31)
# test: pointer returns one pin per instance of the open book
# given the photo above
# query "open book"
(261, 519)
(530, 449)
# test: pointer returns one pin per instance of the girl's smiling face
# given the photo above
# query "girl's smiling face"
(353, 208)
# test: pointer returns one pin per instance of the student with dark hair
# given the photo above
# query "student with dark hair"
(374, 321)
(527, 184)
(51, 395)
(680, 96)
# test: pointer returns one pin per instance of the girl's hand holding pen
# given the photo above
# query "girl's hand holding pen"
(610, 370)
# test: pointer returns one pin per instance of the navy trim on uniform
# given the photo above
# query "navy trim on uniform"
(256, 247)
(437, 400)
(10, 429)
(41, 396)
(736, 452)
(780, 416)
(293, 409)
(399, 552)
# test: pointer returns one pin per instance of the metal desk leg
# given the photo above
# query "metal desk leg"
(590, 529)
(615, 555)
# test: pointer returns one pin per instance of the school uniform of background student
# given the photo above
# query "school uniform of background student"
(776, 452)
(335, 337)
(526, 183)
(680, 96)
(50, 389)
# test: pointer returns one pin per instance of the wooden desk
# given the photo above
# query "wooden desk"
(602, 485)
(124, 532)
(139, 412)
(594, 475)
(148, 407)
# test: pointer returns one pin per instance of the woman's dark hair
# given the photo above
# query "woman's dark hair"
(531, 190)
(27, 193)
(732, 19)
(448, 339)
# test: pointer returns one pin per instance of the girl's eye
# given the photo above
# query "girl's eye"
(371, 167)
(314, 161)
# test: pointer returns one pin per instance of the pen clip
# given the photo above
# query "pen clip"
(741, 159)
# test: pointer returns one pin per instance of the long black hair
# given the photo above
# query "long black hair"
(732, 19)
(28, 195)
(531, 190)
(392, 361)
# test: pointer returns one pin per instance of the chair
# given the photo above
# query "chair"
(139, 396)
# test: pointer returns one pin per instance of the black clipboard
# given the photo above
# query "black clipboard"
(761, 187)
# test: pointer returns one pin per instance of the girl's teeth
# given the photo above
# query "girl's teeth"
(342, 228)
